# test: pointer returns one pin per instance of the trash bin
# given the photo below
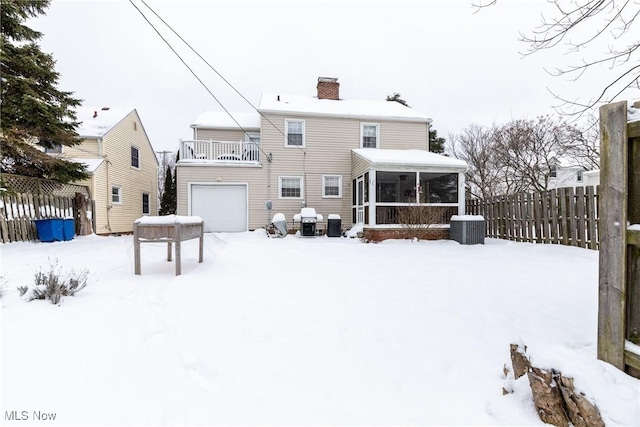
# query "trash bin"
(68, 228)
(334, 225)
(49, 230)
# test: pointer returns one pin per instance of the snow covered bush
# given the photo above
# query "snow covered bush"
(53, 285)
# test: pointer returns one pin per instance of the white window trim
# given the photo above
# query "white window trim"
(286, 133)
(324, 195)
(362, 125)
(139, 159)
(280, 178)
(119, 202)
(148, 203)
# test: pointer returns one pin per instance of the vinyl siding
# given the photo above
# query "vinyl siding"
(222, 134)
(89, 149)
(359, 165)
(254, 176)
(327, 151)
(119, 172)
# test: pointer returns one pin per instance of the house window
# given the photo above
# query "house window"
(290, 187)
(145, 204)
(56, 149)
(579, 176)
(332, 186)
(553, 172)
(370, 135)
(116, 195)
(135, 158)
(295, 133)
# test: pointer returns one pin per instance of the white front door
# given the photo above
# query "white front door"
(223, 207)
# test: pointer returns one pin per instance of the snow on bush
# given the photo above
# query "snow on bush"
(53, 285)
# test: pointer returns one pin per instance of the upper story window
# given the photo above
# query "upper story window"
(294, 133)
(56, 149)
(332, 186)
(135, 158)
(553, 172)
(579, 176)
(116, 195)
(290, 187)
(370, 135)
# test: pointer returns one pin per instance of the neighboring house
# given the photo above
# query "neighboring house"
(566, 175)
(362, 160)
(122, 164)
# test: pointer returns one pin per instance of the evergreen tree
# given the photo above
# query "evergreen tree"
(397, 98)
(436, 143)
(169, 201)
(35, 114)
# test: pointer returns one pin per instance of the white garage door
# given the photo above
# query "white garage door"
(222, 207)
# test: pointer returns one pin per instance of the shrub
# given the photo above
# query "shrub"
(53, 285)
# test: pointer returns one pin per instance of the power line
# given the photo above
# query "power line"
(191, 70)
(218, 73)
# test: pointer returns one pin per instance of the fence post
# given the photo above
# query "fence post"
(613, 220)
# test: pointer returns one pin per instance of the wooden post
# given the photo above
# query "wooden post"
(613, 241)
(136, 248)
(591, 218)
(580, 204)
(633, 238)
(177, 238)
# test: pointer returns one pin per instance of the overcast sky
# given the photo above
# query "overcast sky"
(455, 66)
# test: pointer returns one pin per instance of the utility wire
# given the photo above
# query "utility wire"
(219, 75)
(193, 72)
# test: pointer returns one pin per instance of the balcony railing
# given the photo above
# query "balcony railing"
(220, 151)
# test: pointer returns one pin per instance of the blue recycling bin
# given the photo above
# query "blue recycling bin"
(49, 230)
(68, 228)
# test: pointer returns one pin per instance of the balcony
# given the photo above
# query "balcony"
(220, 151)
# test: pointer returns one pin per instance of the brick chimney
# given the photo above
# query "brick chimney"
(328, 88)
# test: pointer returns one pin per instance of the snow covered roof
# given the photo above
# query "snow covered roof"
(97, 121)
(310, 105)
(221, 120)
(417, 158)
(92, 164)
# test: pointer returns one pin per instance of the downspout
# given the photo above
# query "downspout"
(108, 199)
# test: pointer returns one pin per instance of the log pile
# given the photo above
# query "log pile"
(554, 395)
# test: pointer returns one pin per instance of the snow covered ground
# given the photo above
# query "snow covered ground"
(321, 331)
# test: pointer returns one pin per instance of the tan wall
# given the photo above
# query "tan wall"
(254, 176)
(118, 171)
(222, 134)
(359, 165)
(89, 149)
(327, 151)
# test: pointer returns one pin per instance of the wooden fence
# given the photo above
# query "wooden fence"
(619, 262)
(564, 216)
(19, 210)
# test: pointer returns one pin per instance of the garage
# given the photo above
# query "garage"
(223, 207)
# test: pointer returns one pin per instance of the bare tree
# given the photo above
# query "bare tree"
(580, 26)
(475, 145)
(518, 156)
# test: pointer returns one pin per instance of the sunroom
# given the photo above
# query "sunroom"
(393, 189)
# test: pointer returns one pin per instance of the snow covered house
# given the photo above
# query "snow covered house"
(122, 165)
(568, 175)
(362, 160)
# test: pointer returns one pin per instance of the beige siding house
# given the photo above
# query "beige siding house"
(122, 164)
(313, 151)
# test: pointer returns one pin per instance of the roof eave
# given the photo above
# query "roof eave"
(347, 116)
